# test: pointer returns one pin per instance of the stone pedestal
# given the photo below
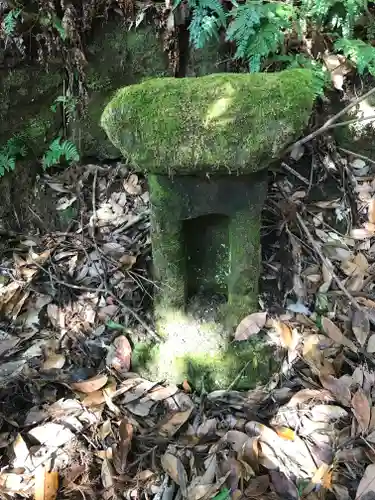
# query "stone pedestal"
(206, 239)
(205, 144)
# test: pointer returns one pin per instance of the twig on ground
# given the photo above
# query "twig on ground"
(328, 124)
(234, 382)
(327, 262)
(104, 289)
(132, 222)
(295, 173)
(356, 155)
(93, 218)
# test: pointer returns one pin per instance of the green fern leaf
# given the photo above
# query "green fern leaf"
(69, 150)
(246, 20)
(360, 53)
(208, 17)
(10, 21)
(258, 29)
(58, 149)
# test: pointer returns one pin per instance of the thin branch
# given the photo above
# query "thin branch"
(328, 124)
(106, 290)
(356, 155)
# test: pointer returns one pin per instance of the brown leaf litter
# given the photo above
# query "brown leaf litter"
(76, 422)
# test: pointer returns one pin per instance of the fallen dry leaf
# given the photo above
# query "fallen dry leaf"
(257, 486)
(131, 185)
(288, 339)
(54, 362)
(94, 399)
(371, 211)
(119, 354)
(284, 486)
(51, 434)
(174, 422)
(322, 476)
(128, 261)
(21, 453)
(371, 344)
(336, 335)
(121, 450)
(361, 409)
(338, 388)
(91, 384)
(306, 394)
(366, 487)
(251, 325)
(340, 491)
(286, 433)
(46, 484)
(360, 326)
(174, 468)
(107, 475)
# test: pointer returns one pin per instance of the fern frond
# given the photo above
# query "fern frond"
(246, 20)
(202, 27)
(69, 104)
(10, 21)
(58, 149)
(360, 53)
(339, 15)
(266, 40)
(258, 29)
(208, 17)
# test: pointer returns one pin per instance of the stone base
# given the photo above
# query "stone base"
(199, 351)
(206, 238)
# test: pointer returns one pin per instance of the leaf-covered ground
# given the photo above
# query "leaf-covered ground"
(77, 423)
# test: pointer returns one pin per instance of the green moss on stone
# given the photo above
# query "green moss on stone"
(245, 260)
(216, 123)
(194, 252)
(202, 353)
(167, 244)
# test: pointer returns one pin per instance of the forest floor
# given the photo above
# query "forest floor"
(77, 423)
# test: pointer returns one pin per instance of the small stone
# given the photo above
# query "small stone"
(358, 163)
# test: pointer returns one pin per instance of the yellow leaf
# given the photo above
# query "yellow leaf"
(285, 334)
(286, 433)
(46, 484)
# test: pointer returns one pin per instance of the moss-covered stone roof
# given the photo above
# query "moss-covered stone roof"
(216, 123)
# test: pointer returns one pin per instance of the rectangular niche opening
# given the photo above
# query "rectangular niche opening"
(207, 255)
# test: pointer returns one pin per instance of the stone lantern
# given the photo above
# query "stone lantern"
(205, 145)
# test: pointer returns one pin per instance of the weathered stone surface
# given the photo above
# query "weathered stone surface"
(201, 352)
(218, 123)
(116, 57)
(26, 96)
(225, 258)
(214, 58)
